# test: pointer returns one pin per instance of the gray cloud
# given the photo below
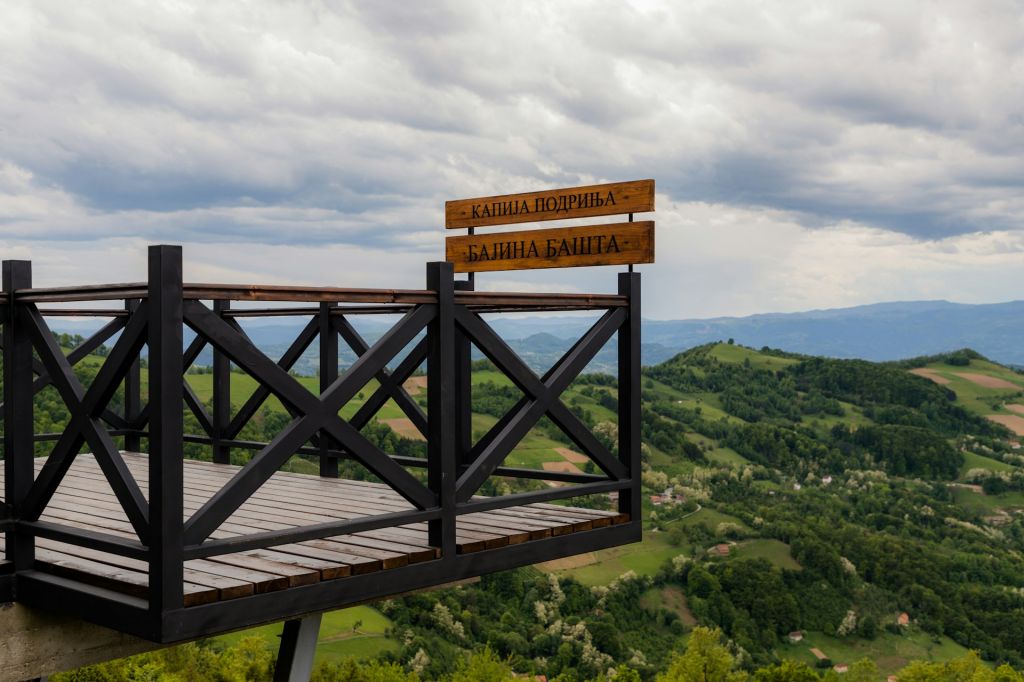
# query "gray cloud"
(351, 123)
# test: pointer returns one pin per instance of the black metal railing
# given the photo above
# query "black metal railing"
(438, 325)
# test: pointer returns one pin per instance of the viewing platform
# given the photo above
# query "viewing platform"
(107, 520)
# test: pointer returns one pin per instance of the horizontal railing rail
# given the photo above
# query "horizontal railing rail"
(149, 335)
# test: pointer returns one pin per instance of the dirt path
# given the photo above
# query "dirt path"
(1011, 421)
(566, 467)
(930, 374)
(414, 385)
(986, 381)
(404, 427)
(575, 457)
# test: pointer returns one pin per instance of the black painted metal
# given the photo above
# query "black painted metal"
(629, 392)
(390, 382)
(166, 468)
(316, 413)
(85, 407)
(312, 532)
(221, 396)
(298, 649)
(133, 390)
(328, 375)
(463, 387)
(84, 537)
(18, 412)
(543, 398)
(441, 437)
(290, 357)
(197, 621)
(440, 324)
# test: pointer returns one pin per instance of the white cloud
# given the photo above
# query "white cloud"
(807, 154)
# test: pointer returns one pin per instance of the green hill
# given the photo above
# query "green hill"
(807, 494)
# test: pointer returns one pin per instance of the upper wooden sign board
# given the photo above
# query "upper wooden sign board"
(636, 196)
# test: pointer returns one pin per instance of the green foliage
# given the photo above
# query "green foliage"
(706, 660)
(248, 660)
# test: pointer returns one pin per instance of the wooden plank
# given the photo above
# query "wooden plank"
(296, 575)
(79, 514)
(615, 198)
(492, 524)
(357, 565)
(560, 247)
(262, 582)
(302, 498)
(481, 521)
(478, 538)
(121, 579)
(266, 575)
(228, 588)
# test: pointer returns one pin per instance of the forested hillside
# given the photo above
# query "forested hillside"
(816, 512)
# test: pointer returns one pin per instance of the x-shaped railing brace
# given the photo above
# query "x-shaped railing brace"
(287, 361)
(542, 397)
(74, 357)
(390, 382)
(86, 408)
(316, 413)
(191, 399)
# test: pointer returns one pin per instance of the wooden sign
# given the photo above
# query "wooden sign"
(561, 247)
(615, 198)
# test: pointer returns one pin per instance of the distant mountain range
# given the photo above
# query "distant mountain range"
(882, 331)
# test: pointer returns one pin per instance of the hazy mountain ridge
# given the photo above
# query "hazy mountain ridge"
(881, 331)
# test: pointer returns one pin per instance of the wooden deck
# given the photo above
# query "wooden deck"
(287, 500)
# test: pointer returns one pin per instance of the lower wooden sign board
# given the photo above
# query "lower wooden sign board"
(562, 247)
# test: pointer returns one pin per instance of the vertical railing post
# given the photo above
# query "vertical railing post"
(328, 374)
(463, 387)
(629, 394)
(221, 416)
(19, 442)
(133, 392)
(166, 400)
(441, 407)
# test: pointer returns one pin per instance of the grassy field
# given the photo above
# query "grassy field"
(979, 503)
(644, 558)
(854, 416)
(710, 518)
(671, 598)
(338, 639)
(774, 551)
(975, 461)
(973, 396)
(727, 457)
(889, 651)
(725, 352)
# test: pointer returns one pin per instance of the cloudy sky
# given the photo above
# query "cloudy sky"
(807, 154)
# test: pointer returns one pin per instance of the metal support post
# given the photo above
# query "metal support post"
(19, 444)
(166, 399)
(441, 407)
(133, 392)
(328, 375)
(629, 394)
(221, 395)
(463, 387)
(298, 649)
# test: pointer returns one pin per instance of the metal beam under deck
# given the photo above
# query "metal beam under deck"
(209, 619)
(130, 615)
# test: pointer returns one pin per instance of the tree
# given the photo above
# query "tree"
(787, 671)
(705, 660)
(484, 666)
